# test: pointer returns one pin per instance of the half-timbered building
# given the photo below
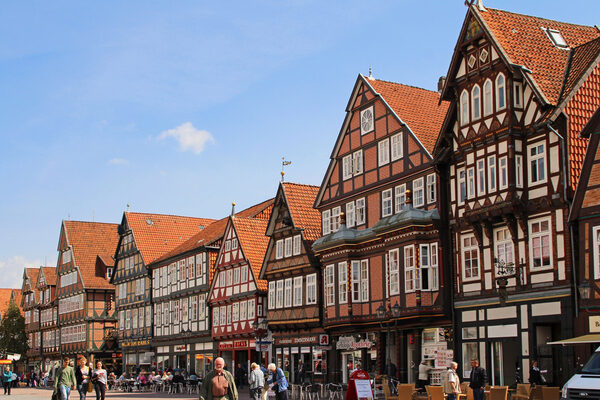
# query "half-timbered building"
(31, 312)
(237, 297)
(86, 299)
(48, 305)
(180, 282)
(293, 274)
(143, 238)
(378, 252)
(521, 88)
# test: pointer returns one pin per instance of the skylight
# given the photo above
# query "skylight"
(556, 38)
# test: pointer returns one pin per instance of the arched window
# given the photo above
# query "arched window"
(476, 102)
(500, 92)
(464, 108)
(487, 98)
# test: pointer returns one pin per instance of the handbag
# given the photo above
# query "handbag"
(90, 388)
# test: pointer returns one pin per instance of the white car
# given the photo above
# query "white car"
(585, 385)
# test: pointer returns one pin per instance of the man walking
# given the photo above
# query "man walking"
(65, 380)
(280, 384)
(477, 380)
(256, 381)
(218, 384)
(452, 382)
(6, 379)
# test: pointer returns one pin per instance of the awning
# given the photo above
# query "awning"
(591, 338)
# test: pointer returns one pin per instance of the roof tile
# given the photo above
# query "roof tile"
(253, 241)
(300, 199)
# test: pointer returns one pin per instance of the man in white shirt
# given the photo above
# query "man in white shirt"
(452, 382)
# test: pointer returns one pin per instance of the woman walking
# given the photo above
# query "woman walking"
(99, 377)
(6, 379)
(82, 374)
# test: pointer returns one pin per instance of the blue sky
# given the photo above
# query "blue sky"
(183, 107)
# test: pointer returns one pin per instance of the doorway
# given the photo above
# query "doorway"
(504, 362)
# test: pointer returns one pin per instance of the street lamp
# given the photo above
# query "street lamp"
(186, 333)
(385, 314)
(260, 332)
(586, 293)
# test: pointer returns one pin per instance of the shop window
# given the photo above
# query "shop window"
(469, 352)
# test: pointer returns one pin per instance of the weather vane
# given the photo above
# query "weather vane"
(283, 164)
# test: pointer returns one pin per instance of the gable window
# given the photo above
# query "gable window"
(518, 94)
(503, 248)
(357, 162)
(400, 194)
(367, 121)
(386, 203)
(347, 167)
(360, 281)
(519, 171)
(342, 283)
(471, 182)
(360, 212)
(329, 285)
(462, 186)
(596, 244)
(537, 163)
(236, 312)
(297, 244)
(487, 98)
(288, 247)
(480, 177)
(394, 271)
(540, 243)
(429, 266)
(464, 108)
(297, 291)
(396, 141)
(470, 257)
(500, 92)
(383, 152)
(476, 102)
(350, 215)
(431, 189)
(227, 245)
(411, 278)
(236, 276)
(326, 221)
(288, 292)
(279, 294)
(418, 190)
(311, 289)
(271, 298)
(491, 173)
(335, 218)
(352, 165)
(234, 244)
(503, 173)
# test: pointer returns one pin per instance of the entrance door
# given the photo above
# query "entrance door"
(350, 361)
(504, 362)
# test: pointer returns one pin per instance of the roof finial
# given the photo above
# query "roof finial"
(370, 73)
(128, 207)
(232, 208)
(480, 5)
(283, 164)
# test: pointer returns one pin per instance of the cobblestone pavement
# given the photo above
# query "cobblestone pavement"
(45, 394)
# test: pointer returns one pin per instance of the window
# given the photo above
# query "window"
(352, 165)
(342, 283)
(469, 351)
(556, 38)
(487, 98)
(360, 281)
(429, 266)
(503, 173)
(357, 161)
(223, 316)
(236, 276)
(288, 292)
(335, 218)
(491, 173)
(518, 94)
(411, 279)
(386, 203)
(134, 318)
(396, 141)
(243, 311)
(139, 287)
(537, 163)
(367, 121)
(504, 248)
(235, 310)
(271, 298)
(431, 189)
(234, 244)
(540, 243)
(193, 308)
(360, 211)
(279, 299)
(329, 286)
(347, 167)
(500, 92)
(400, 197)
(480, 177)
(279, 249)
(419, 196)
(228, 245)
(383, 152)
(462, 186)
(288, 247)
(476, 102)
(251, 310)
(350, 216)
(244, 274)
(297, 244)
(470, 257)
(464, 108)
(311, 289)
(297, 291)
(394, 271)
(326, 222)
(471, 182)
(519, 170)
(596, 243)
(229, 277)
(109, 272)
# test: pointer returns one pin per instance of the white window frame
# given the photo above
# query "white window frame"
(464, 108)
(461, 185)
(518, 94)
(411, 273)
(472, 247)
(383, 152)
(279, 294)
(519, 171)
(342, 283)
(350, 215)
(297, 244)
(297, 291)
(251, 309)
(288, 292)
(279, 249)
(488, 88)
(538, 235)
(399, 197)
(396, 145)
(431, 189)
(357, 162)
(596, 252)
(481, 177)
(288, 244)
(271, 298)
(360, 211)
(471, 190)
(329, 285)
(311, 289)
(326, 222)
(386, 203)
(418, 192)
(503, 172)
(372, 127)
(476, 102)
(394, 271)
(347, 167)
(360, 280)
(428, 261)
(537, 158)
(500, 91)
(335, 218)
(491, 164)
(504, 249)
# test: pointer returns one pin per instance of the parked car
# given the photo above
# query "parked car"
(586, 383)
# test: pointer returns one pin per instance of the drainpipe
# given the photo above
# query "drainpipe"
(564, 169)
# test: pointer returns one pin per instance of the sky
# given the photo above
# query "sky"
(185, 107)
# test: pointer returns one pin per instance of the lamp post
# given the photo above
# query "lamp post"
(186, 333)
(384, 314)
(260, 332)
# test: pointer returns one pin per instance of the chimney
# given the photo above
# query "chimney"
(441, 83)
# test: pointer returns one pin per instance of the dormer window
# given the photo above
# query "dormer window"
(556, 38)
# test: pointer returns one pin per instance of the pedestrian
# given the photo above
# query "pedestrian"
(451, 382)
(82, 375)
(65, 380)
(477, 380)
(535, 375)
(256, 381)
(424, 369)
(239, 376)
(218, 384)
(301, 372)
(99, 378)
(278, 382)
(7, 379)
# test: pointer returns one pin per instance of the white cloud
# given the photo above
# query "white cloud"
(189, 138)
(11, 270)
(118, 161)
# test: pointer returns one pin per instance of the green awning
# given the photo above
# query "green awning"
(591, 338)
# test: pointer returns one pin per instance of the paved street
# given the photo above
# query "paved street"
(45, 394)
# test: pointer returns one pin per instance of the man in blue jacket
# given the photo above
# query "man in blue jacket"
(280, 384)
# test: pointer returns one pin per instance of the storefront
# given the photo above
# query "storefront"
(239, 351)
(358, 351)
(137, 355)
(310, 351)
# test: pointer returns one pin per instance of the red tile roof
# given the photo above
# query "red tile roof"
(526, 44)
(49, 275)
(32, 274)
(5, 296)
(253, 241)
(88, 241)
(158, 234)
(300, 199)
(418, 108)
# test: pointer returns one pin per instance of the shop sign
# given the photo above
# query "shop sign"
(228, 345)
(323, 340)
(294, 350)
(181, 348)
(297, 340)
(324, 348)
(349, 343)
(240, 343)
(117, 355)
(305, 350)
(443, 358)
(5, 362)
(595, 324)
